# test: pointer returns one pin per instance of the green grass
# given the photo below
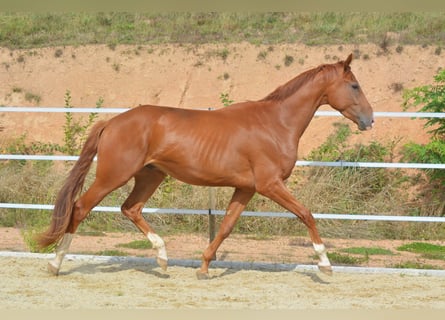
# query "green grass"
(137, 244)
(368, 251)
(347, 259)
(31, 30)
(111, 253)
(342, 259)
(415, 265)
(427, 250)
(91, 233)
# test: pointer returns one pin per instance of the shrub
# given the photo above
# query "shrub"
(75, 133)
(432, 99)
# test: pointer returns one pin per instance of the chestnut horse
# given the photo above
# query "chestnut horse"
(251, 146)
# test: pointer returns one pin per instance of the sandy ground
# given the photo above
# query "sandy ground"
(27, 285)
(129, 284)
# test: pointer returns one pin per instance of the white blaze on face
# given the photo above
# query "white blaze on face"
(159, 244)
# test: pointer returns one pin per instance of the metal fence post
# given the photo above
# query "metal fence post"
(212, 216)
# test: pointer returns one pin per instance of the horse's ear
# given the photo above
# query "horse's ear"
(348, 61)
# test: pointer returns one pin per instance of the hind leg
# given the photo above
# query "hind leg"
(82, 207)
(237, 204)
(147, 181)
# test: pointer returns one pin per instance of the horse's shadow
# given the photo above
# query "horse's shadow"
(114, 267)
(312, 275)
(152, 269)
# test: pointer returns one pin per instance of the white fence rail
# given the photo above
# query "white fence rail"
(370, 217)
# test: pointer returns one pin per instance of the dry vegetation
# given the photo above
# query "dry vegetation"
(325, 190)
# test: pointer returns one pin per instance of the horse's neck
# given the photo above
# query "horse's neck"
(298, 110)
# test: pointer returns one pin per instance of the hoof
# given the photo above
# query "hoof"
(162, 263)
(326, 270)
(202, 275)
(53, 270)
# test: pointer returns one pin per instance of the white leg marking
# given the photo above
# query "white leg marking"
(159, 244)
(321, 251)
(61, 250)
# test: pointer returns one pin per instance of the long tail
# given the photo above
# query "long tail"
(66, 197)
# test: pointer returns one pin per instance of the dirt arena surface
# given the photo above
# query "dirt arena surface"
(89, 285)
(131, 283)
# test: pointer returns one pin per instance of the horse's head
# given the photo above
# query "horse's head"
(345, 95)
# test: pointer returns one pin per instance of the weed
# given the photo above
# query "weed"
(60, 29)
(111, 253)
(32, 97)
(225, 100)
(75, 133)
(288, 60)
(223, 54)
(384, 44)
(225, 76)
(396, 87)
(91, 233)
(414, 265)
(338, 258)
(58, 53)
(262, 55)
(399, 49)
(137, 244)
(112, 46)
(116, 67)
(259, 237)
(29, 236)
(438, 51)
(427, 250)
(357, 53)
(368, 251)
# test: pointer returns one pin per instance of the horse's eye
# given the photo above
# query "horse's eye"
(355, 86)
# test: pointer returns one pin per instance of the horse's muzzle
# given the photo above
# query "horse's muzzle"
(364, 125)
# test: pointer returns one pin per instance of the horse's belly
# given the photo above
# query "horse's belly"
(208, 175)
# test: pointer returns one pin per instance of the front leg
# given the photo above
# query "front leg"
(278, 192)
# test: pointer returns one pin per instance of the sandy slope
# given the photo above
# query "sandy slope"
(194, 76)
